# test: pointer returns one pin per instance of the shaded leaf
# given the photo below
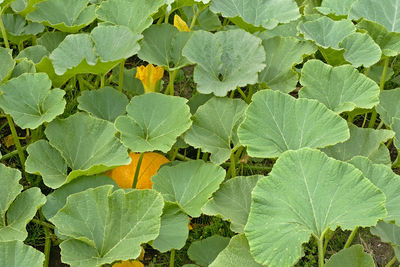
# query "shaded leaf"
(34, 53)
(388, 107)
(351, 257)
(7, 63)
(203, 252)
(388, 233)
(51, 40)
(18, 29)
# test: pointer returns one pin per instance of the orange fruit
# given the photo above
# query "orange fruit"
(151, 162)
(129, 264)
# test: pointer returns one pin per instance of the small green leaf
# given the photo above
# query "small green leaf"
(214, 127)
(328, 194)
(132, 85)
(34, 53)
(357, 145)
(17, 254)
(66, 16)
(396, 129)
(232, 201)
(340, 88)
(113, 227)
(350, 257)
(29, 100)
(336, 7)
(388, 107)
(263, 13)
(189, 184)
(276, 122)
(105, 103)
(154, 121)
(203, 252)
(237, 253)
(7, 63)
(225, 60)
(174, 229)
(24, 66)
(24, 7)
(388, 233)
(18, 29)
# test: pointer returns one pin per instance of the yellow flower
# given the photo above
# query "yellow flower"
(129, 264)
(180, 24)
(149, 76)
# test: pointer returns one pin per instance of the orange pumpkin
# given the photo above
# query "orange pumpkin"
(151, 162)
(129, 264)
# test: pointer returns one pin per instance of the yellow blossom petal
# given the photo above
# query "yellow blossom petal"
(180, 24)
(149, 76)
(129, 264)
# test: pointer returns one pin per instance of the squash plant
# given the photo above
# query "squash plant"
(130, 121)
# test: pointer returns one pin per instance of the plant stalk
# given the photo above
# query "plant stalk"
(391, 262)
(42, 223)
(121, 76)
(136, 178)
(381, 87)
(320, 252)
(14, 134)
(172, 258)
(3, 30)
(351, 237)
(12, 153)
(195, 15)
(47, 243)
(170, 87)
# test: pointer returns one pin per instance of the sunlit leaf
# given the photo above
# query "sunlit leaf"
(7, 63)
(388, 107)
(17, 254)
(18, 29)
(336, 7)
(34, 53)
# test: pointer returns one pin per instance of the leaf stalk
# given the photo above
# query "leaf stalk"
(136, 177)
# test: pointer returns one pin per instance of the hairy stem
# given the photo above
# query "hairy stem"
(170, 87)
(3, 30)
(351, 237)
(42, 223)
(195, 15)
(136, 178)
(121, 76)
(381, 87)
(172, 258)
(14, 134)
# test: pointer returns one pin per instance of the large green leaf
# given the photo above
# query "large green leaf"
(385, 12)
(276, 122)
(362, 142)
(282, 54)
(214, 127)
(103, 227)
(336, 7)
(29, 100)
(154, 121)
(7, 63)
(66, 16)
(232, 201)
(386, 180)
(135, 14)
(260, 13)
(225, 60)
(328, 194)
(162, 45)
(340, 88)
(105, 103)
(57, 199)
(353, 256)
(236, 254)
(174, 229)
(16, 208)
(51, 40)
(189, 184)
(203, 252)
(87, 144)
(389, 107)
(388, 233)
(34, 53)
(389, 42)
(17, 254)
(18, 29)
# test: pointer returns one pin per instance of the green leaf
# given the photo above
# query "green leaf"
(113, 227)
(66, 16)
(360, 50)
(389, 42)
(132, 85)
(7, 63)
(328, 194)
(385, 13)
(385, 179)
(17, 254)
(214, 127)
(388, 107)
(16, 208)
(203, 252)
(24, 7)
(326, 32)
(388, 233)
(24, 66)
(282, 30)
(51, 40)
(174, 229)
(263, 13)
(276, 122)
(189, 184)
(135, 14)
(34, 53)
(154, 121)
(340, 88)
(237, 253)
(282, 54)
(46, 161)
(362, 142)
(350, 257)
(396, 129)
(18, 29)
(29, 100)
(87, 144)
(225, 60)
(162, 45)
(336, 7)
(57, 199)
(105, 103)
(232, 201)
(375, 73)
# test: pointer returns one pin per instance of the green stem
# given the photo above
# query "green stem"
(136, 178)
(172, 258)
(205, 156)
(365, 120)
(242, 93)
(327, 239)
(250, 94)
(14, 134)
(47, 243)
(320, 252)
(12, 153)
(170, 87)
(102, 81)
(42, 223)
(86, 83)
(121, 76)
(195, 15)
(198, 154)
(391, 262)
(351, 237)
(381, 87)
(232, 168)
(3, 30)
(350, 118)
(173, 154)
